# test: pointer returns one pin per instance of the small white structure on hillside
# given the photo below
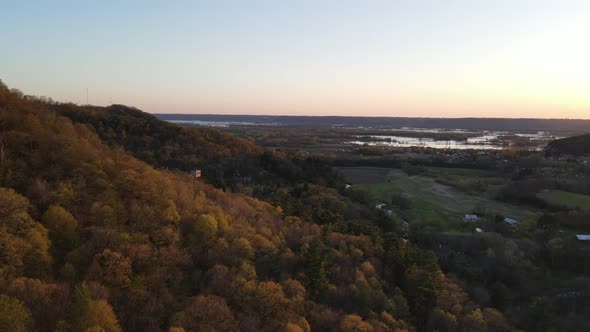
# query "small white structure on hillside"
(510, 221)
(197, 173)
(380, 206)
(478, 230)
(471, 218)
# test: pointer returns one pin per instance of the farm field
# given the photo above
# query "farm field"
(364, 175)
(564, 198)
(431, 201)
(456, 171)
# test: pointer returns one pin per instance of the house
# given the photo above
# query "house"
(404, 225)
(510, 221)
(347, 186)
(197, 173)
(478, 230)
(583, 237)
(380, 206)
(471, 218)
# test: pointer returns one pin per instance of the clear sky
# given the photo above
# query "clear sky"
(437, 58)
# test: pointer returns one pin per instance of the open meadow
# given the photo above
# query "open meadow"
(431, 201)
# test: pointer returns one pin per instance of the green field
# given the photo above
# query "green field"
(364, 175)
(431, 202)
(564, 198)
(446, 171)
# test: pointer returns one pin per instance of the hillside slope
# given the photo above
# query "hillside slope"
(93, 239)
(574, 146)
(158, 142)
(301, 186)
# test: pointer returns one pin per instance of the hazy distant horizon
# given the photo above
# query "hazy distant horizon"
(368, 116)
(577, 126)
(301, 114)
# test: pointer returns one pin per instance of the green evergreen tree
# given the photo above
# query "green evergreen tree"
(315, 270)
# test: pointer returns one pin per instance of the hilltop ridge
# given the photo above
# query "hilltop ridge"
(576, 146)
(157, 142)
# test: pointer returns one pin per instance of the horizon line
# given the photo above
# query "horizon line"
(373, 116)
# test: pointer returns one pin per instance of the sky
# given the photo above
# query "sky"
(419, 58)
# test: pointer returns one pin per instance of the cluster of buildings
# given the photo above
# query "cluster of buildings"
(476, 157)
(473, 218)
(582, 159)
(382, 207)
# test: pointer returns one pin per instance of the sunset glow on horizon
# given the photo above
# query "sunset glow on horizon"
(519, 59)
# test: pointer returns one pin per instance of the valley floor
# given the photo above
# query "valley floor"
(432, 201)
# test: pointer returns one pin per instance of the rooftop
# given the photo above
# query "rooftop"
(510, 221)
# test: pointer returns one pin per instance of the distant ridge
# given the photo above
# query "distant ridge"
(566, 125)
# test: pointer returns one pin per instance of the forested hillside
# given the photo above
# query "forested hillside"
(300, 186)
(93, 239)
(157, 142)
(574, 146)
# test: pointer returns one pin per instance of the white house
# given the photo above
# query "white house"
(471, 218)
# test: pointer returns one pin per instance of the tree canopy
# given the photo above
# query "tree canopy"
(102, 229)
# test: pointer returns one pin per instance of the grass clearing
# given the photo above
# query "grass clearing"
(432, 202)
(469, 172)
(356, 175)
(564, 198)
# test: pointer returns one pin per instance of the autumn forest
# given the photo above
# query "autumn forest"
(103, 227)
